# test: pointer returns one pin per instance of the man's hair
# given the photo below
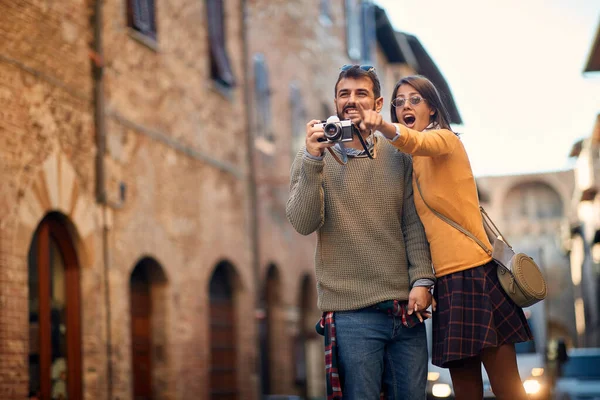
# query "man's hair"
(431, 95)
(356, 72)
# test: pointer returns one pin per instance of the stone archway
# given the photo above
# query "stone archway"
(55, 188)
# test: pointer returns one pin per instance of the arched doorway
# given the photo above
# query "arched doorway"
(54, 312)
(309, 365)
(223, 334)
(300, 352)
(270, 332)
(147, 291)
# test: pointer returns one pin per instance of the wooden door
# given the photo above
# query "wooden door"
(54, 313)
(223, 338)
(141, 337)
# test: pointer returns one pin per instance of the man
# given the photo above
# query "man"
(371, 249)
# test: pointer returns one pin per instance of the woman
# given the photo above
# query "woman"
(474, 321)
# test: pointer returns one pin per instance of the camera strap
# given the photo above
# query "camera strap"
(335, 156)
(364, 144)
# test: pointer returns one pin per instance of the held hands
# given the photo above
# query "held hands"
(313, 134)
(419, 299)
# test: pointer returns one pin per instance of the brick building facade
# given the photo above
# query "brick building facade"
(145, 147)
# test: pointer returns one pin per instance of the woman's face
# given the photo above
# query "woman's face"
(413, 116)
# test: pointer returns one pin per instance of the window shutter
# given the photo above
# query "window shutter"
(353, 29)
(143, 17)
(298, 121)
(263, 96)
(220, 65)
(368, 30)
(326, 9)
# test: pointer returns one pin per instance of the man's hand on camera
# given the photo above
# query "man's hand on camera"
(313, 134)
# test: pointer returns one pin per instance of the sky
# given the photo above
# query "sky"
(515, 69)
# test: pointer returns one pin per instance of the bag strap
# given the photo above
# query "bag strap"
(454, 224)
(492, 227)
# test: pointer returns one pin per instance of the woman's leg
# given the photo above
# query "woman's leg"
(466, 378)
(501, 366)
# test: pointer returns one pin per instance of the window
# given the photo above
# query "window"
(141, 16)
(353, 29)
(368, 31)
(54, 313)
(325, 14)
(220, 67)
(262, 92)
(298, 121)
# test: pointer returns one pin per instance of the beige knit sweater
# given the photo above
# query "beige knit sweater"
(371, 245)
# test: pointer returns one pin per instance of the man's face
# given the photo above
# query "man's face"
(350, 92)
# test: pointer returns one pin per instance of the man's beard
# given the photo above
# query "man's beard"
(341, 114)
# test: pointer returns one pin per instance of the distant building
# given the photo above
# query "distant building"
(583, 237)
(530, 210)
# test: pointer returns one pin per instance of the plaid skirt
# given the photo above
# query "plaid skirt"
(473, 313)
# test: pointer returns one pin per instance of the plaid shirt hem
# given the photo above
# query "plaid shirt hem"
(326, 328)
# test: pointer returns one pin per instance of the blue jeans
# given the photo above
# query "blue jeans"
(375, 348)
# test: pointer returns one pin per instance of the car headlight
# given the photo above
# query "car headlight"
(441, 390)
(537, 371)
(532, 386)
(433, 376)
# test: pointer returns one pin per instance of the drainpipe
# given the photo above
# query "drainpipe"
(97, 56)
(252, 191)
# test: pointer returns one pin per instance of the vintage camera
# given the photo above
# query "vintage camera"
(335, 130)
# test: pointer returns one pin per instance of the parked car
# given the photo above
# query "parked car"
(579, 378)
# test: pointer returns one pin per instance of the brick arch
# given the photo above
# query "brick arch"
(157, 268)
(517, 194)
(56, 188)
(149, 322)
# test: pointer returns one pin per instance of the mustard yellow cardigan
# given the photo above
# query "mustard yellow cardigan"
(442, 166)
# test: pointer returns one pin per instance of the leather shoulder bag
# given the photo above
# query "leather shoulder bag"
(518, 273)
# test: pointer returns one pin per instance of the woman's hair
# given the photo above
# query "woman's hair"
(428, 91)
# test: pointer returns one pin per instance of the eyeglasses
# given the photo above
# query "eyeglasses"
(413, 100)
(367, 68)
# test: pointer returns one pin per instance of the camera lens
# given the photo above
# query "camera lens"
(332, 131)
